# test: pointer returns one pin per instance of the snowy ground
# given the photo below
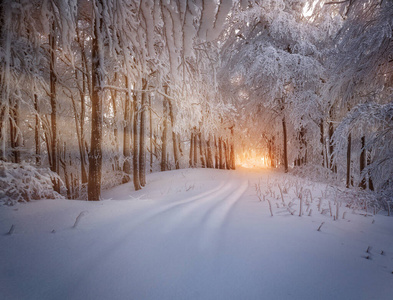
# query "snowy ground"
(197, 234)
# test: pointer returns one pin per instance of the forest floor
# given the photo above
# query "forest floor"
(198, 234)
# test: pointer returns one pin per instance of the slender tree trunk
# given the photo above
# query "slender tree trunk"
(322, 141)
(174, 137)
(37, 132)
(349, 161)
(333, 167)
(191, 149)
(95, 155)
(220, 154)
(209, 154)
(195, 148)
(164, 138)
(284, 129)
(135, 157)
(53, 103)
(216, 154)
(363, 162)
(370, 182)
(232, 154)
(115, 130)
(201, 150)
(142, 149)
(127, 134)
(151, 135)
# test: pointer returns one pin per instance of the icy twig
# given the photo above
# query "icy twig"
(320, 226)
(11, 231)
(78, 218)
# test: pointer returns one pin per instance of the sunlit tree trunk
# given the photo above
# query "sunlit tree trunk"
(116, 165)
(195, 164)
(37, 132)
(191, 150)
(142, 148)
(174, 137)
(53, 104)
(127, 134)
(216, 154)
(221, 154)
(151, 135)
(201, 150)
(284, 129)
(95, 155)
(164, 138)
(135, 157)
(232, 154)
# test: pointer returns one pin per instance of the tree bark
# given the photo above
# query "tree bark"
(284, 129)
(174, 136)
(37, 132)
(135, 157)
(201, 150)
(127, 134)
(191, 149)
(164, 138)
(349, 142)
(95, 155)
(142, 149)
(362, 163)
(53, 104)
(195, 148)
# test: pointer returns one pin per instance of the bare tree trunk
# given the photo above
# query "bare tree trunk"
(284, 129)
(142, 149)
(363, 162)
(95, 155)
(348, 183)
(53, 103)
(209, 154)
(191, 149)
(37, 132)
(127, 134)
(220, 154)
(135, 157)
(370, 182)
(216, 154)
(195, 148)
(151, 135)
(322, 141)
(174, 137)
(232, 154)
(116, 164)
(201, 150)
(164, 138)
(333, 167)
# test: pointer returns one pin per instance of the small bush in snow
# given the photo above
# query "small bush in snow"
(23, 182)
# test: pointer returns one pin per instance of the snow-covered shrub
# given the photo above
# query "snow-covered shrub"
(23, 182)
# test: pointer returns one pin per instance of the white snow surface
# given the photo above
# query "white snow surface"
(196, 234)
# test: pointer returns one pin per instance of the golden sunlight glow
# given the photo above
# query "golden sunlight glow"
(252, 160)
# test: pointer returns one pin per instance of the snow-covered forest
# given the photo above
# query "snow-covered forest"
(285, 103)
(104, 92)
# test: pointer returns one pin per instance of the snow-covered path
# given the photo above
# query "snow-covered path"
(195, 234)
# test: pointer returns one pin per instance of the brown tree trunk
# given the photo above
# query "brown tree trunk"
(201, 150)
(349, 140)
(135, 157)
(284, 129)
(164, 138)
(195, 148)
(322, 141)
(127, 134)
(174, 137)
(95, 155)
(142, 149)
(191, 149)
(53, 104)
(209, 154)
(37, 132)
(220, 154)
(363, 162)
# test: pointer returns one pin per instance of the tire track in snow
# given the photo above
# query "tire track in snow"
(201, 207)
(214, 220)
